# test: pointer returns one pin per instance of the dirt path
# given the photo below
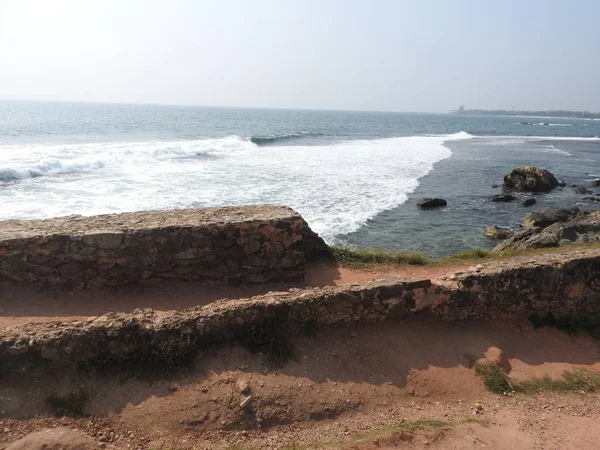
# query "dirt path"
(19, 305)
(394, 385)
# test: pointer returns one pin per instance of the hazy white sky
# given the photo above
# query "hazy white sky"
(418, 55)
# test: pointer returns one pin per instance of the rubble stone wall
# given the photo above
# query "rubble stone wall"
(232, 245)
(562, 285)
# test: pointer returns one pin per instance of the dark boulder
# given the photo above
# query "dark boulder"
(596, 182)
(561, 183)
(432, 203)
(583, 191)
(530, 178)
(502, 198)
(545, 218)
(529, 202)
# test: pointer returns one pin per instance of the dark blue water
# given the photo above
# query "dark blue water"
(355, 176)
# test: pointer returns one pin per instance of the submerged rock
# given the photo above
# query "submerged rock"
(529, 201)
(592, 198)
(498, 233)
(579, 228)
(530, 178)
(582, 190)
(432, 203)
(502, 198)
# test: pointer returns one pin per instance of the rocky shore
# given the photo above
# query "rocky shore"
(551, 228)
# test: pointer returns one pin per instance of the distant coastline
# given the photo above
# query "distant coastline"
(554, 114)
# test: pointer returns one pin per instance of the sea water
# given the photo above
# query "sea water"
(354, 176)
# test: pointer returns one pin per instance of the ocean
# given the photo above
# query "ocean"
(354, 176)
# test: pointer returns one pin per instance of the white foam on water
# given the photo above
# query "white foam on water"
(553, 149)
(513, 143)
(542, 138)
(336, 187)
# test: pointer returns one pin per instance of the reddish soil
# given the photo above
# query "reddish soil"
(360, 388)
(344, 388)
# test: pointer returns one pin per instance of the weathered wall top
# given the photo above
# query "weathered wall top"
(142, 220)
(232, 245)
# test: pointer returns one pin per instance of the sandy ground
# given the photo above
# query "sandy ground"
(21, 305)
(345, 387)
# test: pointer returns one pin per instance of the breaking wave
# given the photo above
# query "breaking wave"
(273, 139)
(337, 186)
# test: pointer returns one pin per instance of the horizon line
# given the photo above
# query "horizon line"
(190, 105)
(287, 108)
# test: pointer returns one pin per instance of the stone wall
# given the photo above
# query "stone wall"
(232, 245)
(562, 285)
(223, 321)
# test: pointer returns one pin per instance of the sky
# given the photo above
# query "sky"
(386, 55)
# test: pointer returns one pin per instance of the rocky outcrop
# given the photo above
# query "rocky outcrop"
(233, 245)
(432, 203)
(545, 218)
(530, 178)
(583, 191)
(498, 233)
(583, 227)
(529, 202)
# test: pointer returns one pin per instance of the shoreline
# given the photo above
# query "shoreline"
(521, 116)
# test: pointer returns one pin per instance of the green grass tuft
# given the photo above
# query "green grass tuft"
(578, 380)
(468, 255)
(494, 378)
(365, 258)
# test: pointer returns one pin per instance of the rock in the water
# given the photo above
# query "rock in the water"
(432, 203)
(584, 191)
(562, 183)
(592, 198)
(546, 218)
(498, 233)
(55, 439)
(578, 228)
(530, 178)
(596, 182)
(502, 198)
(529, 201)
